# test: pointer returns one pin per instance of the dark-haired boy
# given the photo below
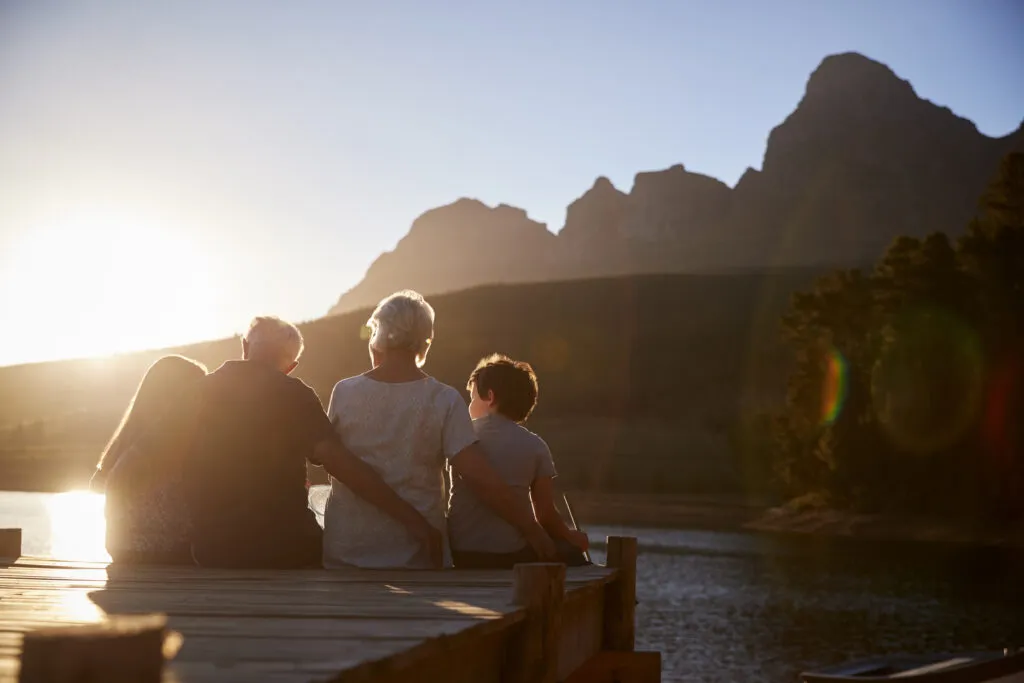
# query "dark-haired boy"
(504, 393)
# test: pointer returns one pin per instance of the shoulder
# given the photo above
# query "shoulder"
(446, 395)
(534, 439)
(348, 384)
(297, 384)
(299, 390)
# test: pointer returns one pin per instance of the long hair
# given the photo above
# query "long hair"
(164, 383)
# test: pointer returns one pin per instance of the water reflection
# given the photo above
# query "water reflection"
(77, 526)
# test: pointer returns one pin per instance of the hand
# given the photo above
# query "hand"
(579, 540)
(431, 540)
(542, 544)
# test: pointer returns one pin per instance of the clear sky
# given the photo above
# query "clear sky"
(168, 170)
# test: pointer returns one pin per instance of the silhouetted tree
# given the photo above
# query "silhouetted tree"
(906, 388)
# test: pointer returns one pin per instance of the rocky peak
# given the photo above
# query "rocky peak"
(852, 77)
(670, 204)
(597, 212)
(458, 245)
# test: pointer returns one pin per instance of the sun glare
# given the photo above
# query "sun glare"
(102, 286)
(77, 526)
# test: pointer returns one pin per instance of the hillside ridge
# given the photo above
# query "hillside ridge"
(861, 159)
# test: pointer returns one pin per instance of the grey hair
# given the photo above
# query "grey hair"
(403, 321)
(274, 337)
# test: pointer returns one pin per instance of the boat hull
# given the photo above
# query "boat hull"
(986, 667)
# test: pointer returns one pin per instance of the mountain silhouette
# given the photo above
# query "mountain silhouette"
(861, 160)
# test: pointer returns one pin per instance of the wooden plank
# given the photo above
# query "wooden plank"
(473, 656)
(349, 573)
(619, 667)
(293, 595)
(582, 628)
(345, 627)
(340, 653)
(533, 655)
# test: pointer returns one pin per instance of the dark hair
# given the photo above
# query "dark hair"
(163, 384)
(513, 383)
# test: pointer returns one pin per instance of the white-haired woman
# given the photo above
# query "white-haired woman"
(407, 426)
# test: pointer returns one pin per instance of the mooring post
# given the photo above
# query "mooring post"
(10, 544)
(620, 595)
(540, 588)
(123, 649)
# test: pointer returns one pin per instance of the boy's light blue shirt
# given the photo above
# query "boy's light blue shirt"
(518, 456)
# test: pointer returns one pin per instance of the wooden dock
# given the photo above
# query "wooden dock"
(540, 622)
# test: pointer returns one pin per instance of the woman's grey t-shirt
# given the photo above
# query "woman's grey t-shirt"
(406, 432)
(519, 457)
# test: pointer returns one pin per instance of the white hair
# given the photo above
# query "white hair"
(271, 336)
(403, 321)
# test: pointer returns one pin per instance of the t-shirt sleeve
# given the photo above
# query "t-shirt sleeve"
(458, 432)
(545, 463)
(312, 421)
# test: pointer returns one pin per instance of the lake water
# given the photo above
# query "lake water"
(731, 606)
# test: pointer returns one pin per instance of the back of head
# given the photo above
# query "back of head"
(272, 340)
(403, 321)
(513, 383)
(164, 383)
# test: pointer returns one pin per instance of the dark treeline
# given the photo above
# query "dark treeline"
(906, 389)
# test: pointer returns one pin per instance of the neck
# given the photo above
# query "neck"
(265, 362)
(397, 369)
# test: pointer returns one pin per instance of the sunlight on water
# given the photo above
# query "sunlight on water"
(77, 526)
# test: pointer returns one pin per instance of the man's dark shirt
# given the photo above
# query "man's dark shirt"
(245, 473)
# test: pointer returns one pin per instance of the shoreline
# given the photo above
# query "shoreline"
(718, 513)
(825, 522)
(738, 513)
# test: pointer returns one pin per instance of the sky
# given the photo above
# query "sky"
(169, 170)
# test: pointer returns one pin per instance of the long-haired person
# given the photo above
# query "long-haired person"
(147, 521)
(408, 427)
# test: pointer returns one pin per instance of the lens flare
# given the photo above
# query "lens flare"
(1000, 431)
(835, 386)
(927, 386)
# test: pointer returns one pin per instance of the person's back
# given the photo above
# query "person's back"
(405, 431)
(147, 519)
(247, 470)
(504, 393)
(518, 456)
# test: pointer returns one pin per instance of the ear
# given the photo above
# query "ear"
(489, 398)
(245, 349)
(291, 367)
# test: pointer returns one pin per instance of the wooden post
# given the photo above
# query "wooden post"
(10, 543)
(540, 588)
(126, 649)
(620, 595)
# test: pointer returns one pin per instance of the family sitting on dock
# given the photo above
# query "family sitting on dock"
(210, 469)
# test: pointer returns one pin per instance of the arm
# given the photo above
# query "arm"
(364, 481)
(542, 493)
(471, 465)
